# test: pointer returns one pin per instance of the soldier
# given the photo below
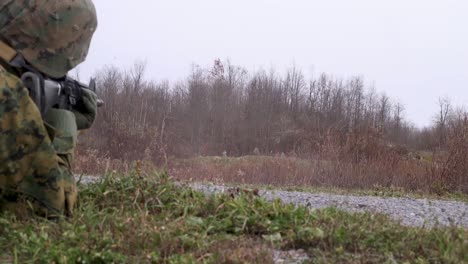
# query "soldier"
(49, 38)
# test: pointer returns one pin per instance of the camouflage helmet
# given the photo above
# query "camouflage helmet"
(52, 35)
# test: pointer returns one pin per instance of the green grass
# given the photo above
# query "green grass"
(148, 219)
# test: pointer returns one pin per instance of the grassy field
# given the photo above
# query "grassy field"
(296, 174)
(148, 219)
(294, 171)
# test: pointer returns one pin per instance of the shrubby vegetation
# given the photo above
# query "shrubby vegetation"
(355, 134)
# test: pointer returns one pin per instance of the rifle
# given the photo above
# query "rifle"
(46, 93)
(61, 94)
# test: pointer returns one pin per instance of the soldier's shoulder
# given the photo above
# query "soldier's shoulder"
(3, 71)
(5, 74)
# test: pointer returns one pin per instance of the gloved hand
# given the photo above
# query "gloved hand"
(86, 109)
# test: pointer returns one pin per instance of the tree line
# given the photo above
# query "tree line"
(226, 109)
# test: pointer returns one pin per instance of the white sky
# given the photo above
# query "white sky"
(413, 50)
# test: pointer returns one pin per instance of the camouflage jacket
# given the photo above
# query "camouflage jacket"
(35, 158)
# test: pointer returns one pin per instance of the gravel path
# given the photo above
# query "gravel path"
(410, 212)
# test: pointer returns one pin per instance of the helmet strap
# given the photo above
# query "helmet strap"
(7, 53)
(15, 59)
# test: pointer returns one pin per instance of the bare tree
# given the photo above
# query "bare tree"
(444, 108)
(224, 108)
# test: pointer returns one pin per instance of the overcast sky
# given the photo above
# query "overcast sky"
(413, 50)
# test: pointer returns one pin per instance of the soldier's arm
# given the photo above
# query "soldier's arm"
(30, 168)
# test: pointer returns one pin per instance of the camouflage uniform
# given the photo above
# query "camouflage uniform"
(36, 151)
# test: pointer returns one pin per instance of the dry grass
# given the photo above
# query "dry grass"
(362, 161)
(405, 175)
(289, 171)
(89, 162)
